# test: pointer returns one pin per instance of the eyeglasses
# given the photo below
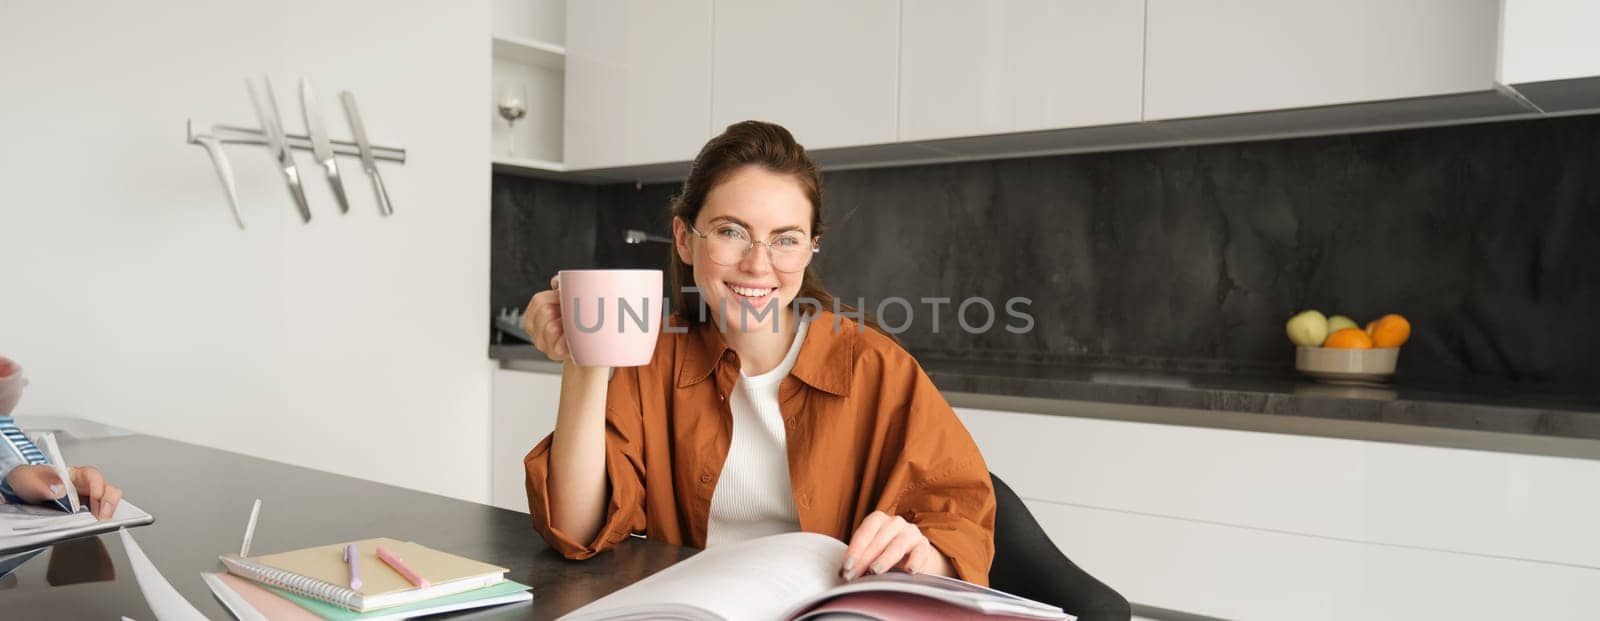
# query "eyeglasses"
(728, 245)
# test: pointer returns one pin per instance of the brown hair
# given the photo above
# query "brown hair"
(748, 143)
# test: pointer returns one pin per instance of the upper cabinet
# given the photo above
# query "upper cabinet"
(529, 20)
(825, 69)
(883, 82)
(973, 67)
(1213, 58)
(526, 114)
(1550, 53)
(638, 85)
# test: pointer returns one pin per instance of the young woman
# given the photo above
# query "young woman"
(764, 416)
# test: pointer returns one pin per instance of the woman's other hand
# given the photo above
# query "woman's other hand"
(542, 322)
(883, 542)
(37, 484)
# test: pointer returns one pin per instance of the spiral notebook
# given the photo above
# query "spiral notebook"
(321, 573)
(249, 601)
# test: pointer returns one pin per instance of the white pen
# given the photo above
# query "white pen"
(47, 441)
(250, 529)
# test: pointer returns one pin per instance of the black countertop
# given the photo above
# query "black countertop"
(1477, 406)
(202, 496)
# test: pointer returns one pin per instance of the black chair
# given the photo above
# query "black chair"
(1028, 564)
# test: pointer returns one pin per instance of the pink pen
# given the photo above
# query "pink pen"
(400, 566)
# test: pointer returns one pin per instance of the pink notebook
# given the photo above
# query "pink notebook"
(265, 602)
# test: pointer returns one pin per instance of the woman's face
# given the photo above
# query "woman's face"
(761, 205)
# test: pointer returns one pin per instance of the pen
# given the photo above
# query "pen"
(250, 529)
(353, 557)
(70, 504)
(400, 566)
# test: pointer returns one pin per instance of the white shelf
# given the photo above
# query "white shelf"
(527, 55)
(528, 164)
(531, 52)
(539, 69)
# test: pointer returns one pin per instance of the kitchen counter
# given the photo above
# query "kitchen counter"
(1469, 415)
(1476, 407)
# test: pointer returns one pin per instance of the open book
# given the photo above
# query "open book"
(796, 576)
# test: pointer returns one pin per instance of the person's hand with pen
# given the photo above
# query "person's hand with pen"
(41, 484)
(26, 473)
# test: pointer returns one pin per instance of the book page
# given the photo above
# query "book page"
(888, 605)
(756, 579)
(948, 591)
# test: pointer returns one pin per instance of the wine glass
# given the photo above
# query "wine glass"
(513, 105)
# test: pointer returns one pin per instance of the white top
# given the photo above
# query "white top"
(754, 497)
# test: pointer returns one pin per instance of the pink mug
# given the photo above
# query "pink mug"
(611, 318)
(11, 383)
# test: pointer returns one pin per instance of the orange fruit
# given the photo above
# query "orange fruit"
(1348, 338)
(1389, 331)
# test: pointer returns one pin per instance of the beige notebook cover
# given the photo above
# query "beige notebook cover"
(326, 563)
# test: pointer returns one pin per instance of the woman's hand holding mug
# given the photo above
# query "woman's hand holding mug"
(542, 321)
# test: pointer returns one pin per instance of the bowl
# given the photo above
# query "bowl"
(1354, 366)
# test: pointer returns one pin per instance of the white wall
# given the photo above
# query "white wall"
(354, 344)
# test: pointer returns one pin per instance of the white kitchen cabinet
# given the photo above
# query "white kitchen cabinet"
(523, 405)
(529, 20)
(1549, 52)
(1210, 521)
(884, 82)
(638, 87)
(1223, 571)
(974, 67)
(528, 64)
(1239, 56)
(825, 69)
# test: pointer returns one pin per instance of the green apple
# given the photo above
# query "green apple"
(1308, 329)
(1340, 322)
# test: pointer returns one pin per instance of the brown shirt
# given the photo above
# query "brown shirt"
(866, 431)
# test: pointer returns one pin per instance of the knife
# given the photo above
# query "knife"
(272, 129)
(368, 163)
(219, 159)
(321, 147)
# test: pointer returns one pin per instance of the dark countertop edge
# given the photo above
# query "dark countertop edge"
(1481, 426)
(1323, 402)
(1393, 433)
(519, 351)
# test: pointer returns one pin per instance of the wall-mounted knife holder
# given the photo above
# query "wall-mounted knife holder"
(233, 134)
(283, 144)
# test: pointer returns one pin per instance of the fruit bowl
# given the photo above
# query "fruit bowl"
(1347, 366)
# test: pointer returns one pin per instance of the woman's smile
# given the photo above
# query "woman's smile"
(750, 293)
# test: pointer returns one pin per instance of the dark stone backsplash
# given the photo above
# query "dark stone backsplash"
(1189, 258)
(537, 228)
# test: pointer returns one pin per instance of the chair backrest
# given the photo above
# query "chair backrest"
(1027, 563)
